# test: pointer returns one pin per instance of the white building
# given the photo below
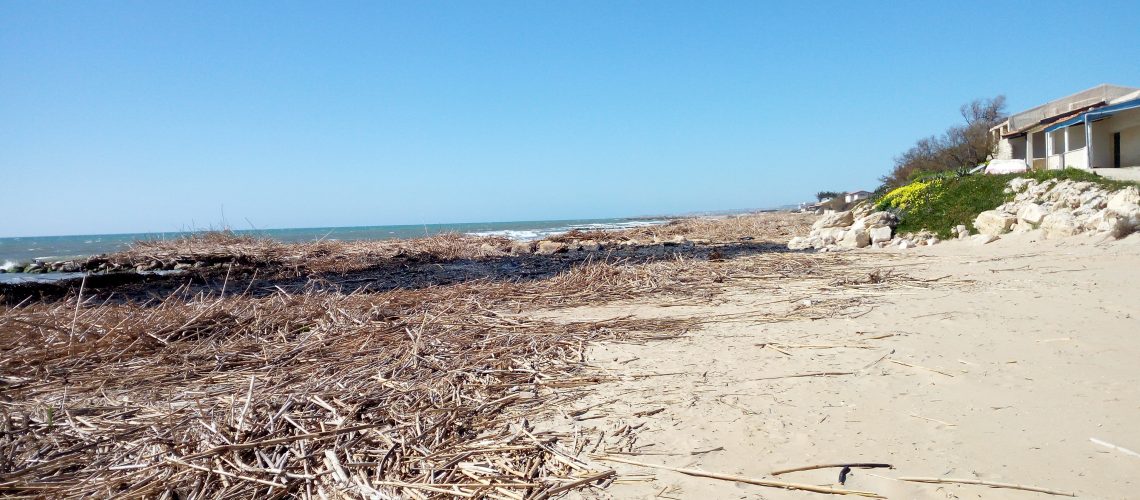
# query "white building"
(856, 196)
(1092, 129)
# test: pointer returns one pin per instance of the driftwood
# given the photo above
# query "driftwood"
(986, 483)
(940, 372)
(744, 479)
(857, 465)
(813, 374)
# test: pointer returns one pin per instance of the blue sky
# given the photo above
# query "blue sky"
(153, 116)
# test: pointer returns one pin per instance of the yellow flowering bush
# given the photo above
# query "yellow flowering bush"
(911, 196)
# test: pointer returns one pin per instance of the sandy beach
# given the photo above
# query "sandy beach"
(1003, 367)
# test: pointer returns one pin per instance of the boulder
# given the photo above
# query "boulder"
(590, 246)
(832, 234)
(993, 222)
(879, 234)
(523, 247)
(855, 239)
(799, 243)
(1124, 202)
(838, 219)
(905, 244)
(1123, 226)
(983, 239)
(1031, 213)
(484, 249)
(1059, 225)
(546, 247)
(933, 240)
(880, 219)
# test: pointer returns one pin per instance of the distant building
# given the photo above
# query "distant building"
(1092, 129)
(855, 196)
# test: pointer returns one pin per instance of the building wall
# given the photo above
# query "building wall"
(1130, 147)
(1004, 150)
(1127, 123)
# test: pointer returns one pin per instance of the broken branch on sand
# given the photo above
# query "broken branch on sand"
(744, 479)
(986, 483)
(813, 374)
(940, 372)
(832, 466)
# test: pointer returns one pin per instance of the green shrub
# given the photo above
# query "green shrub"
(942, 202)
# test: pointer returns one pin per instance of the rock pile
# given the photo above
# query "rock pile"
(1063, 208)
(857, 228)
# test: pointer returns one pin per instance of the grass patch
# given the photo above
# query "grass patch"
(939, 203)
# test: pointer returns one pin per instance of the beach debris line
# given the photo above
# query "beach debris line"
(315, 391)
(743, 479)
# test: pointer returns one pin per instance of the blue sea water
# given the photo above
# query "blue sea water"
(49, 248)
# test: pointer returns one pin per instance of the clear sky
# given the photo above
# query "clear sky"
(154, 116)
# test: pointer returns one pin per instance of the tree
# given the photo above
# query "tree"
(960, 147)
(826, 195)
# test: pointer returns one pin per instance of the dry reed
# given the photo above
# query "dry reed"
(406, 393)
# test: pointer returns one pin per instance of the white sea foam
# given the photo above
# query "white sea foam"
(538, 234)
(513, 234)
(8, 265)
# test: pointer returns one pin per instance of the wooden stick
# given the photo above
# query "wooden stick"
(897, 362)
(986, 483)
(1121, 449)
(832, 466)
(749, 480)
(815, 374)
(224, 473)
(574, 484)
(948, 424)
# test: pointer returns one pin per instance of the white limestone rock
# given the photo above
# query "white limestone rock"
(994, 222)
(1124, 202)
(984, 239)
(880, 234)
(1059, 225)
(838, 219)
(1031, 213)
(855, 239)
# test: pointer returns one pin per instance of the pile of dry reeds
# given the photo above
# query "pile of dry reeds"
(406, 393)
(772, 227)
(409, 392)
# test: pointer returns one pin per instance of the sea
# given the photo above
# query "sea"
(53, 248)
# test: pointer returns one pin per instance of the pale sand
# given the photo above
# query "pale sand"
(1042, 340)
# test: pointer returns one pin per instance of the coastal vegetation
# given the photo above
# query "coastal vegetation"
(939, 203)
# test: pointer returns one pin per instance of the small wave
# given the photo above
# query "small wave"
(537, 234)
(8, 265)
(511, 234)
